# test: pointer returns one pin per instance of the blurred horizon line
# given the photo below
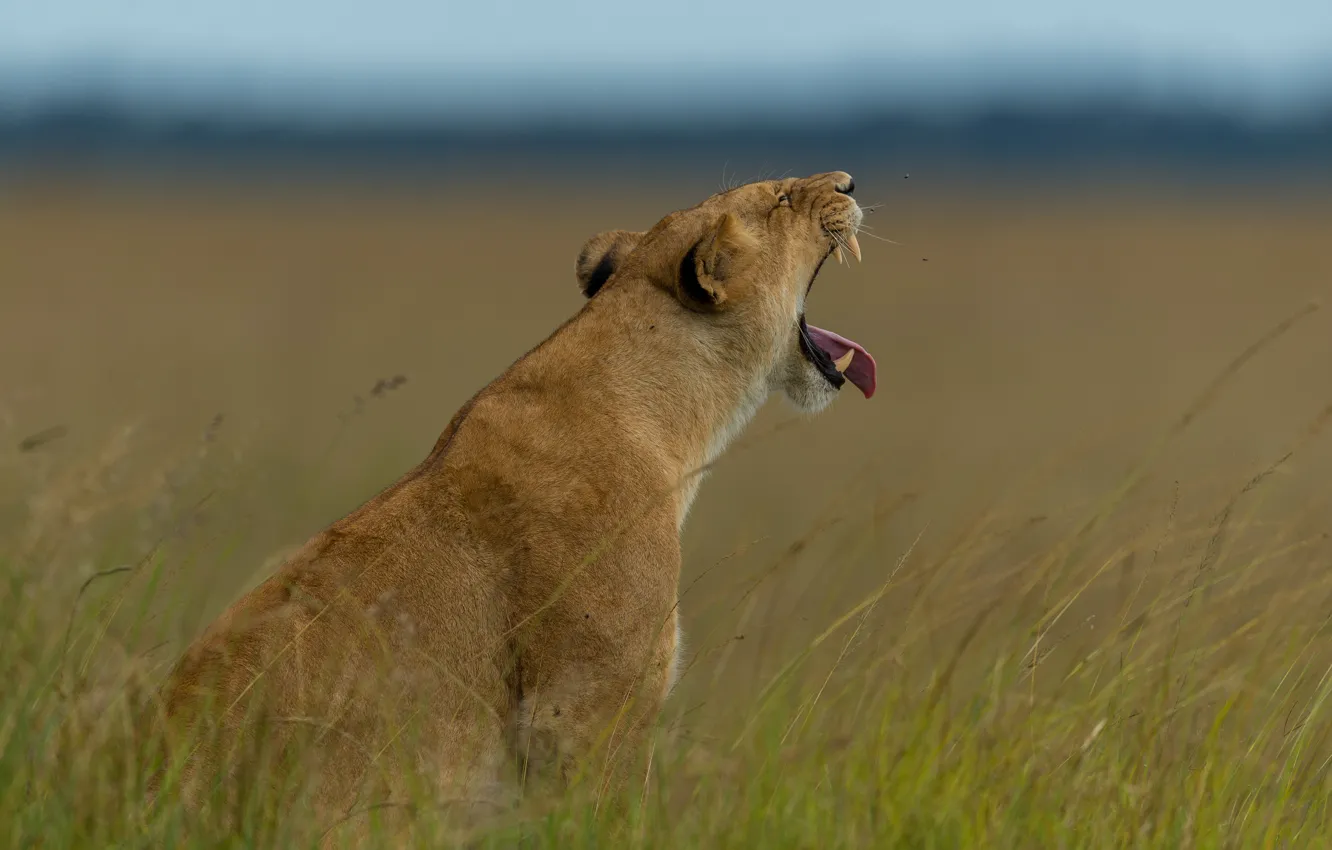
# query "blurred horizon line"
(903, 114)
(520, 92)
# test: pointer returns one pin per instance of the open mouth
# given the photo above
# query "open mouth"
(837, 358)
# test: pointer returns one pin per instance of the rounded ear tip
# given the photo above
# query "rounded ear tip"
(601, 258)
(583, 266)
(590, 280)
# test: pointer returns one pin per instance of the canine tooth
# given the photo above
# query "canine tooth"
(838, 252)
(853, 246)
(845, 360)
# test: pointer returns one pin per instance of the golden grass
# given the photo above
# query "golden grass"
(1063, 583)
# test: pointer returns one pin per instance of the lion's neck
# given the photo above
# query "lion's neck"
(665, 387)
(695, 419)
(694, 398)
(724, 431)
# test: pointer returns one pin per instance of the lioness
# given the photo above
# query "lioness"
(512, 599)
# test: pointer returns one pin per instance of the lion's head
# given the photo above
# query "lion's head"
(739, 267)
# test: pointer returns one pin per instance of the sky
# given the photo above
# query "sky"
(1269, 49)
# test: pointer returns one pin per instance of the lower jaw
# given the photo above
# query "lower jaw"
(817, 358)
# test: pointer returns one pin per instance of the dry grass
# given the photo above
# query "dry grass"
(1063, 583)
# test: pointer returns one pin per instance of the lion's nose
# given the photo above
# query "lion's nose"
(847, 186)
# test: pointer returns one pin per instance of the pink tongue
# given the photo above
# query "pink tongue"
(861, 370)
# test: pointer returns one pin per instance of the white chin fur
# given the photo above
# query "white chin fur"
(805, 387)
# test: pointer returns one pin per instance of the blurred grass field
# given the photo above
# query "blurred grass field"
(1062, 583)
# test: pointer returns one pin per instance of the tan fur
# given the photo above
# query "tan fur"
(511, 600)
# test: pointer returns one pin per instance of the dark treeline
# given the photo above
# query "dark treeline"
(1089, 135)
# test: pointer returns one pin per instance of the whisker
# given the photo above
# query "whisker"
(836, 237)
(841, 240)
(869, 231)
(864, 232)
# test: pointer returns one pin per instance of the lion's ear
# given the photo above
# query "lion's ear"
(716, 258)
(602, 256)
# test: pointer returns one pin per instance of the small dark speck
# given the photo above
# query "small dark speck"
(555, 711)
(906, 176)
(587, 616)
(652, 327)
(384, 385)
(210, 433)
(41, 438)
(924, 259)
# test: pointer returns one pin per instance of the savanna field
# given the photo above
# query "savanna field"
(1065, 581)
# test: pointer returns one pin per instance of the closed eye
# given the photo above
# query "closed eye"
(783, 200)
